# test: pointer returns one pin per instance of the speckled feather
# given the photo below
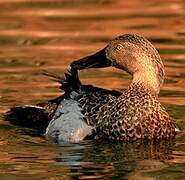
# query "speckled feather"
(136, 114)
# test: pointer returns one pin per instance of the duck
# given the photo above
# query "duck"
(86, 111)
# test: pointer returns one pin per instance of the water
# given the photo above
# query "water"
(48, 35)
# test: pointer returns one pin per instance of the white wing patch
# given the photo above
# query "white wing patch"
(67, 125)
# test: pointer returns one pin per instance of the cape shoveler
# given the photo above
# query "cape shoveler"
(134, 114)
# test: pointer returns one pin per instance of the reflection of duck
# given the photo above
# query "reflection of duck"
(131, 115)
(115, 159)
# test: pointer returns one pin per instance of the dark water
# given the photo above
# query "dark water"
(47, 35)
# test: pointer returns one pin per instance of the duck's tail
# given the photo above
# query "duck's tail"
(33, 116)
(38, 116)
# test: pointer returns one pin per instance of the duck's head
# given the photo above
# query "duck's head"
(132, 53)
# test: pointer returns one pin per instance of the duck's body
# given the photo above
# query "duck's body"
(128, 116)
(135, 114)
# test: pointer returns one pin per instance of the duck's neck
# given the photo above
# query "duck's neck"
(148, 80)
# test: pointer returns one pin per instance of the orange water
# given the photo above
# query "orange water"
(37, 35)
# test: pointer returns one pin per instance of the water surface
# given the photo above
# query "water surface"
(48, 35)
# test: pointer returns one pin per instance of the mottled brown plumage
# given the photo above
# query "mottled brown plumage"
(136, 113)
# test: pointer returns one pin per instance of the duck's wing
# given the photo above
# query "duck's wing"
(38, 116)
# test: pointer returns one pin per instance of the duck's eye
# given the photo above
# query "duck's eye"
(119, 47)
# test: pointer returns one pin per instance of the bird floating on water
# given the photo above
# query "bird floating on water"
(85, 111)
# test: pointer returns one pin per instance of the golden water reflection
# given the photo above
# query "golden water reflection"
(48, 35)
